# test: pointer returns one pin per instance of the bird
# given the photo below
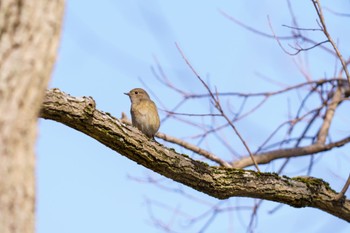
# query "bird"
(144, 113)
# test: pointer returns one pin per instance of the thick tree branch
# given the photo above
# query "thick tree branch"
(219, 182)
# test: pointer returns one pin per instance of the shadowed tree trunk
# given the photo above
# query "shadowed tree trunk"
(29, 36)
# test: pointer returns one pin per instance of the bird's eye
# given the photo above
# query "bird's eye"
(136, 92)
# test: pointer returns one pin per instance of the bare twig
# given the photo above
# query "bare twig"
(293, 37)
(249, 28)
(254, 216)
(190, 114)
(336, 13)
(301, 29)
(298, 50)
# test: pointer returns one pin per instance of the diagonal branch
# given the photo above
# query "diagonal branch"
(336, 100)
(219, 182)
(193, 148)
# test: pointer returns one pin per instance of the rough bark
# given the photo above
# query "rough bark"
(29, 35)
(219, 182)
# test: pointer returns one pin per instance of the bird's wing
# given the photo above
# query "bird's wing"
(147, 106)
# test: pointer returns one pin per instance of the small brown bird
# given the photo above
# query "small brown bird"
(144, 114)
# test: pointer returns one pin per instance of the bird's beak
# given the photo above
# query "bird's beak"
(127, 94)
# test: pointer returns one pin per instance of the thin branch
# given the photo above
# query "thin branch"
(337, 13)
(298, 50)
(342, 192)
(318, 9)
(190, 114)
(253, 30)
(254, 216)
(184, 144)
(193, 148)
(266, 157)
(336, 100)
(278, 40)
(301, 29)
(267, 93)
(218, 105)
(249, 28)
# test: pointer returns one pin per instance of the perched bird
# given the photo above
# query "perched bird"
(144, 114)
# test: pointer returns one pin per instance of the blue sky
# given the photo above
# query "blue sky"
(109, 46)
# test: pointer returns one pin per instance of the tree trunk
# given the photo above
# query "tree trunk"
(29, 36)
